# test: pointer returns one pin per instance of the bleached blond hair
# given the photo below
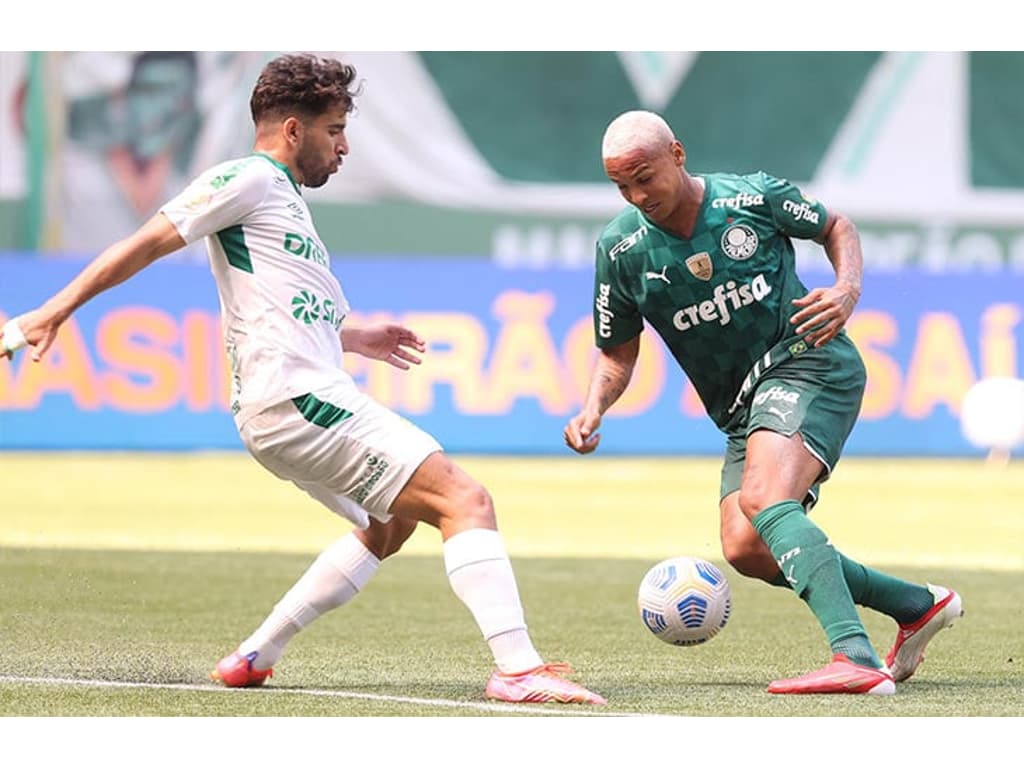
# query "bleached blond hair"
(637, 129)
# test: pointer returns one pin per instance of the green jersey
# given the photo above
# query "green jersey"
(720, 299)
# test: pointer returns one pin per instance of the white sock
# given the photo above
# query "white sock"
(335, 577)
(481, 576)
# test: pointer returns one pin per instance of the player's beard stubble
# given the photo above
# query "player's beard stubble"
(315, 171)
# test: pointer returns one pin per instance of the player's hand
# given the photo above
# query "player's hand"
(33, 330)
(394, 344)
(823, 312)
(581, 432)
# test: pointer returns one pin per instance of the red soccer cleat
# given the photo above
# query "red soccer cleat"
(908, 651)
(236, 671)
(841, 676)
(540, 685)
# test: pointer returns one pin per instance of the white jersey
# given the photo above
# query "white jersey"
(281, 306)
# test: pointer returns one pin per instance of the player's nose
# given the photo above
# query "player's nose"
(638, 198)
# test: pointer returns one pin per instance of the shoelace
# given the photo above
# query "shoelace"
(552, 669)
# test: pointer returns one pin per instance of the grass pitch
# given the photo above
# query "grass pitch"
(123, 578)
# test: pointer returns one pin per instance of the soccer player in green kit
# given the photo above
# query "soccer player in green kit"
(707, 260)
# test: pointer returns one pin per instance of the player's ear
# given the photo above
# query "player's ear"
(292, 128)
(678, 153)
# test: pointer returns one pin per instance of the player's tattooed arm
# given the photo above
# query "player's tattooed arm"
(612, 372)
(823, 312)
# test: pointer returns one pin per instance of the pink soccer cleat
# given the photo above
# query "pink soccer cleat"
(236, 671)
(908, 651)
(841, 676)
(540, 685)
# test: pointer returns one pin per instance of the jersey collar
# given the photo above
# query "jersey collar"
(282, 167)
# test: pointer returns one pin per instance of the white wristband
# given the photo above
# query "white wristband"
(13, 338)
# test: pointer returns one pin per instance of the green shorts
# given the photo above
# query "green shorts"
(817, 394)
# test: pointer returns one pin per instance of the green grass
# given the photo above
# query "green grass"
(146, 569)
(164, 618)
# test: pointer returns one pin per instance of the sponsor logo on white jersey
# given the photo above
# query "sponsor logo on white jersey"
(624, 245)
(801, 211)
(306, 247)
(604, 315)
(296, 210)
(376, 466)
(741, 200)
(725, 299)
(308, 308)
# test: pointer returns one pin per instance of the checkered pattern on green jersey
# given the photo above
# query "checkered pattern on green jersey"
(720, 299)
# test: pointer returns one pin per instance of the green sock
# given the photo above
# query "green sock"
(902, 600)
(813, 570)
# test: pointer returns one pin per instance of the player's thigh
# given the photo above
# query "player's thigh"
(444, 495)
(736, 470)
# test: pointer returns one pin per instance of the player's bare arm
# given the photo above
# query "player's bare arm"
(612, 372)
(388, 342)
(156, 238)
(824, 311)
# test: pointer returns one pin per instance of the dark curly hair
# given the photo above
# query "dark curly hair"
(302, 85)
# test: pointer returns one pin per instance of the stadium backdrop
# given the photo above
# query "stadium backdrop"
(142, 368)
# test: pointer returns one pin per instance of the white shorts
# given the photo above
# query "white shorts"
(342, 447)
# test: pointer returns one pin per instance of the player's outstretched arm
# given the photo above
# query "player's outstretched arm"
(388, 342)
(38, 328)
(611, 375)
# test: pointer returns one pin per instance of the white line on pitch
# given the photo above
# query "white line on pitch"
(575, 711)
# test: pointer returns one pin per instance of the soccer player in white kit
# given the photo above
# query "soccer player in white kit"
(297, 411)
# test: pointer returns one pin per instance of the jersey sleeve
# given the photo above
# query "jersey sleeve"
(220, 198)
(795, 214)
(616, 316)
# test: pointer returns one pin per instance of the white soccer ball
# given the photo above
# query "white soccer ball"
(684, 600)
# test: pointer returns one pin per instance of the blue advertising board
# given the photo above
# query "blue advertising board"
(141, 367)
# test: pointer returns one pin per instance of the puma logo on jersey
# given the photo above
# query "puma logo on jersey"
(658, 275)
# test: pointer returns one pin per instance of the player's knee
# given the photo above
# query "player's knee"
(472, 506)
(752, 500)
